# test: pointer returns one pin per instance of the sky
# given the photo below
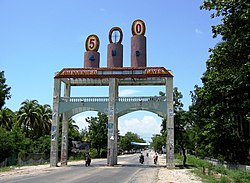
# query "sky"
(41, 37)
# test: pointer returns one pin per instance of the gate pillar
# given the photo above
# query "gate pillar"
(170, 124)
(112, 123)
(55, 123)
(65, 129)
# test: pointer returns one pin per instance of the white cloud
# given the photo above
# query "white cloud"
(127, 92)
(198, 32)
(80, 119)
(145, 127)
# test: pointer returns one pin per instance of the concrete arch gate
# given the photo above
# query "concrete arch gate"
(113, 105)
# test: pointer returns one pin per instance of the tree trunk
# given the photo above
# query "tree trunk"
(184, 155)
(98, 152)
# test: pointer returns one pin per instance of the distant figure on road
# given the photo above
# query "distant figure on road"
(88, 159)
(141, 158)
(155, 158)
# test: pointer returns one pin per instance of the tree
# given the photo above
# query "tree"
(74, 134)
(222, 104)
(7, 118)
(158, 141)
(182, 126)
(125, 141)
(35, 118)
(4, 90)
(45, 115)
(98, 132)
(21, 143)
(28, 115)
(6, 144)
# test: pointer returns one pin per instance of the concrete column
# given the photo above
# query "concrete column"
(65, 129)
(115, 55)
(170, 124)
(91, 59)
(138, 51)
(116, 124)
(112, 123)
(55, 123)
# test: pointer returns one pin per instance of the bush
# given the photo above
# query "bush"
(77, 156)
(240, 176)
(104, 154)
(226, 175)
(220, 169)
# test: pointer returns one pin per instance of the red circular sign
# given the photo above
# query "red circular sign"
(120, 35)
(92, 43)
(138, 27)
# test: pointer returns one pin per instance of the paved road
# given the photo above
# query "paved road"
(128, 170)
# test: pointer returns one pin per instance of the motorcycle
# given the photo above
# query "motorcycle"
(141, 159)
(88, 160)
(155, 159)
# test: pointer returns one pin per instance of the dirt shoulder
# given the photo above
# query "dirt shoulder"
(164, 175)
(175, 175)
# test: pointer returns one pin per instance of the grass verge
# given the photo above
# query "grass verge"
(210, 173)
(6, 168)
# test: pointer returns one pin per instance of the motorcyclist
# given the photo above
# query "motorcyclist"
(88, 159)
(155, 158)
(141, 158)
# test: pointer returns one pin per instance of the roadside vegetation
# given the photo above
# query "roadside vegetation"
(217, 123)
(214, 173)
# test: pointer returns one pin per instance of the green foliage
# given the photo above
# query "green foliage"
(77, 156)
(125, 141)
(22, 143)
(74, 134)
(26, 131)
(6, 144)
(34, 118)
(221, 107)
(7, 118)
(216, 173)
(158, 141)
(183, 129)
(42, 145)
(4, 90)
(239, 175)
(98, 132)
(5, 169)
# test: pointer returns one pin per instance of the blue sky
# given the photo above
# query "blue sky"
(38, 38)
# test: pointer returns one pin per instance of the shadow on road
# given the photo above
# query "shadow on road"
(119, 165)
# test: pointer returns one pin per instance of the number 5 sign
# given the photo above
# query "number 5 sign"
(92, 43)
(138, 27)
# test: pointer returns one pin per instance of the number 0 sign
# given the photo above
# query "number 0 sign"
(138, 27)
(92, 43)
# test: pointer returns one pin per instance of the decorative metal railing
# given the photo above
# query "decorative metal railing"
(84, 99)
(106, 99)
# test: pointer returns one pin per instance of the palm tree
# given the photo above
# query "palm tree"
(28, 115)
(45, 115)
(7, 118)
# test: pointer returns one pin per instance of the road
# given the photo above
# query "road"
(128, 170)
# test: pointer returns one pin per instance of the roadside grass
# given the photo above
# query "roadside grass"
(12, 167)
(5, 169)
(210, 173)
